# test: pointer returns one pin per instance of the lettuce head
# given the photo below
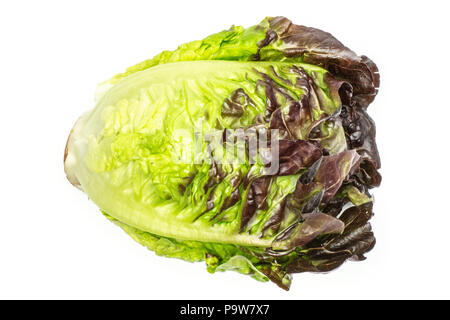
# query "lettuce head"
(251, 150)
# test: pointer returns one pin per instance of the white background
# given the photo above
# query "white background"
(54, 243)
